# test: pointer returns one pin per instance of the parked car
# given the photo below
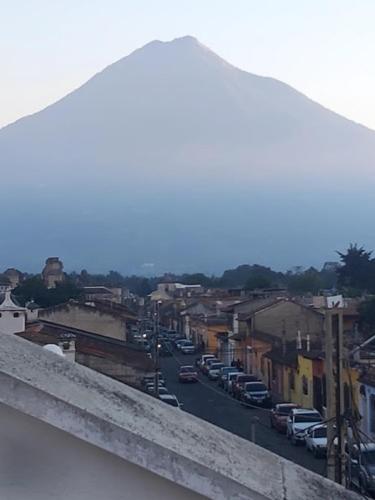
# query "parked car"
(151, 379)
(162, 390)
(256, 393)
(362, 467)
(150, 387)
(142, 343)
(171, 400)
(299, 420)
(279, 416)
(214, 370)
(187, 347)
(187, 374)
(316, 440)
(179, 342)
(223, 373)
(240, 381)
(207, 364)
(229, 379)
(203, 359)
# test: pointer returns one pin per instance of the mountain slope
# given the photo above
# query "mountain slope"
(173, 158)
(177, 110)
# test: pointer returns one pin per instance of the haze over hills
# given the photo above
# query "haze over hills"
(166, 156)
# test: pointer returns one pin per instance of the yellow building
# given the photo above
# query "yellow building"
(205, 330)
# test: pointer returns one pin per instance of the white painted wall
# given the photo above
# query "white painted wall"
(367, 410)
(40, 462)
(11, 324)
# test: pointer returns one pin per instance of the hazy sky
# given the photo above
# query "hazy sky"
(324, 48)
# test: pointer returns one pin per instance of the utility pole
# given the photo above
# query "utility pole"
(335, 396)
(330, 395)
(340, 425)
(156, 347)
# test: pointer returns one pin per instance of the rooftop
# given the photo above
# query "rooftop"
(9, 303)
(144, 431)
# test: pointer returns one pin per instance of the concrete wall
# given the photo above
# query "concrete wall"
(40, 462)
(11, 324)
(296, 317)
(86, 318)
(366, 409)
(131, 375)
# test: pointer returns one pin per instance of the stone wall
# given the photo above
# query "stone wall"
(87, 318)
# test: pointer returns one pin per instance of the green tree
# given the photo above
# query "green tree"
(357, 272)
(196, 279)
(309, 281)
(35, 289)
(258, 281)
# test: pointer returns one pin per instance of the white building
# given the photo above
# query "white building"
(12, 316)
(68, 432)
(366, 404)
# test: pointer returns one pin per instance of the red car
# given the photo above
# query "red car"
(280, 414)
(187, 374)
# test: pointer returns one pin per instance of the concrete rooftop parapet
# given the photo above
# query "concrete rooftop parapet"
(146, 432)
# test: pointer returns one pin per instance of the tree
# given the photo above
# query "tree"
(357, 272)
(196, 279)
(242, 276)
(35, 289)
(308, 281)
(257, 281)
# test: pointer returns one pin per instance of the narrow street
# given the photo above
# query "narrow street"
(207, 401)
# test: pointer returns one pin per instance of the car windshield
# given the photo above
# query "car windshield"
(216, 366)
(171, 401)
(228, 369)
(245, 378)
(256, 387)
(284, 410)
(187, 369)
(307, 417)
(233, 376)
(210, 361)
(321, 432)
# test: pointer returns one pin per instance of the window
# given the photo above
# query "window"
(292, 382)
(16, 315)
(305, 385)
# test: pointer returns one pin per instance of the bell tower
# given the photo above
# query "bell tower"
(12, 315)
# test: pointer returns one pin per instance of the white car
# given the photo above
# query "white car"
(299, 421)
(170, 399)
(203, 359)
(214, 370)
(187, 347)
(228, 381)
(316, 440)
